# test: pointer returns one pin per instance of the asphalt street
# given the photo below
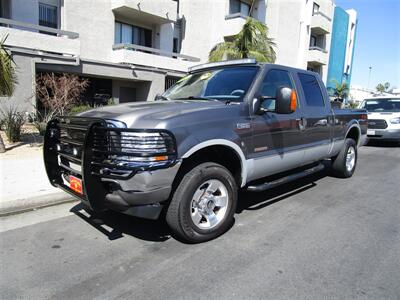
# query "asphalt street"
(318, 238)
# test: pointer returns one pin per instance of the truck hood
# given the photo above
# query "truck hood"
(383, 115)
(151, 114)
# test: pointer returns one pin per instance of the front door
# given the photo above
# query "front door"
(277, 138)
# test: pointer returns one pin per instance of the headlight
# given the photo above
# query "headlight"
(141, 149)
(395, 120)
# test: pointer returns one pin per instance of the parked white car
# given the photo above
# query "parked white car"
(383, 117)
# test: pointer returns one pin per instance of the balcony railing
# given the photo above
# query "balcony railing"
(320, 13)
(317, 55)
(34, 27)
(155, 51)
(318, 48)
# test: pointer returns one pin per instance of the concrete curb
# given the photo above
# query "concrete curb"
(22, 205)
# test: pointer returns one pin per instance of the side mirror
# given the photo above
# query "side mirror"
(286, 100)
(158, 97)
(257, 106)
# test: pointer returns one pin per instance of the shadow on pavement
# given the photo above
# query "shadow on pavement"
(120, 224)
(382, 144)
(255, 201)
(115, 225)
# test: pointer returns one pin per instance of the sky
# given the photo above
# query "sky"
(377, 41)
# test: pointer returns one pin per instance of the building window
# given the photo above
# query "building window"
(176, 48)
(130, 34)
(313, 41)
(237, 6)
(315, 8)
(170, 81)
(48, 15)
(5, 9)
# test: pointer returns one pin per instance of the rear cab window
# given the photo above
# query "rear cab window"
(312, 91)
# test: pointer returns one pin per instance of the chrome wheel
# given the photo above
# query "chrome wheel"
(350, 158)
(209, 204)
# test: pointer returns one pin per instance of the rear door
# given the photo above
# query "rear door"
(316, 117)
(277, 139)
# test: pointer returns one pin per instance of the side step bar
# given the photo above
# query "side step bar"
(269, 185)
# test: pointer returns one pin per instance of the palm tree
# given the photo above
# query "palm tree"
(251, 42)
(380, 88)
(8, 77)
(341, 90)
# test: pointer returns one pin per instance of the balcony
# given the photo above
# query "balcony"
(146, 56)
(36, 37)
(317, 56)
(233, 24)
(321, 23)
(149, 11)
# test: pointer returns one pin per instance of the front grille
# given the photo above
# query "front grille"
(94, 149)
(377, 124)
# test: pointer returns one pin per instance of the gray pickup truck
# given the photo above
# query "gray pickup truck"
(225, 126)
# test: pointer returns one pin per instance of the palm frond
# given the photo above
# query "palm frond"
(8, 78)
(223, 51)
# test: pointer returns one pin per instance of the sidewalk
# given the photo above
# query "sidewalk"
(24, 184)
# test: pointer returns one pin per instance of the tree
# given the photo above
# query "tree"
(380, 88)
(383, 87)
(341, 90)
(251, 42)
(60, 92)
(8, 78)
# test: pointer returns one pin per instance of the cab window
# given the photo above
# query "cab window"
(272, 81)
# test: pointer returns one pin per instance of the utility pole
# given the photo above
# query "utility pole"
(369, 76)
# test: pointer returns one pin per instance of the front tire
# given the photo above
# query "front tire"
(344, 164)
(203, 205)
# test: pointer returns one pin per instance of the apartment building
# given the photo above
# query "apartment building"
(135, 49)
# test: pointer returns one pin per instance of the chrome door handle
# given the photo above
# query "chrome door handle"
(302, 123)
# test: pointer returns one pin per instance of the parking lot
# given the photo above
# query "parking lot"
(318, 238)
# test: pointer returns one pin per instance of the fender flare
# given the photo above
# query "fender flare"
(227, 143)
(357, 125)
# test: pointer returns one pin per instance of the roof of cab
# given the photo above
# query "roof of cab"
(244, 62)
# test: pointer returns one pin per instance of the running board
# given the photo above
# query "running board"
(269, 185)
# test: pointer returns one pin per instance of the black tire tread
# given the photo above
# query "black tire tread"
(181, 229)
(339, 162)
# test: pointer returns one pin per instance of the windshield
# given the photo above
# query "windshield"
(229, 83)
(382, 105)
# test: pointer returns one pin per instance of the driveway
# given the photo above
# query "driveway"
(318, 238)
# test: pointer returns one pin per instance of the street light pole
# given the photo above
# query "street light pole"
(369, 76)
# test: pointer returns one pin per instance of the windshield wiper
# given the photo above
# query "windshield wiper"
(161, 97)
(194, 98)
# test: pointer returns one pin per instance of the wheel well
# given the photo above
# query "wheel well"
(219, 154)
(353, 134)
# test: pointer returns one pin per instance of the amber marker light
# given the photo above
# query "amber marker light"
(293, 101)
(162, 157)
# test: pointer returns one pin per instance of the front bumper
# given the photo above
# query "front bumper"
(70, 149)
(384, 134)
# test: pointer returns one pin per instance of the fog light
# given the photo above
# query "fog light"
(75, 151)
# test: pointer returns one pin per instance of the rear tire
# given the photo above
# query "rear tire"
(344, 164)
(203, 205)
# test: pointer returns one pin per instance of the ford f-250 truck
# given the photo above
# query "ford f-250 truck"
(225, 126)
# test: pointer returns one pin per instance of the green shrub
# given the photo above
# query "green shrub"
(111, 101)
(40, 120)
(41, 127)
(13, 121)
(80, 108)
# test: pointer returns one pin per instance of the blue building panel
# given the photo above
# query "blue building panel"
(337, 55)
